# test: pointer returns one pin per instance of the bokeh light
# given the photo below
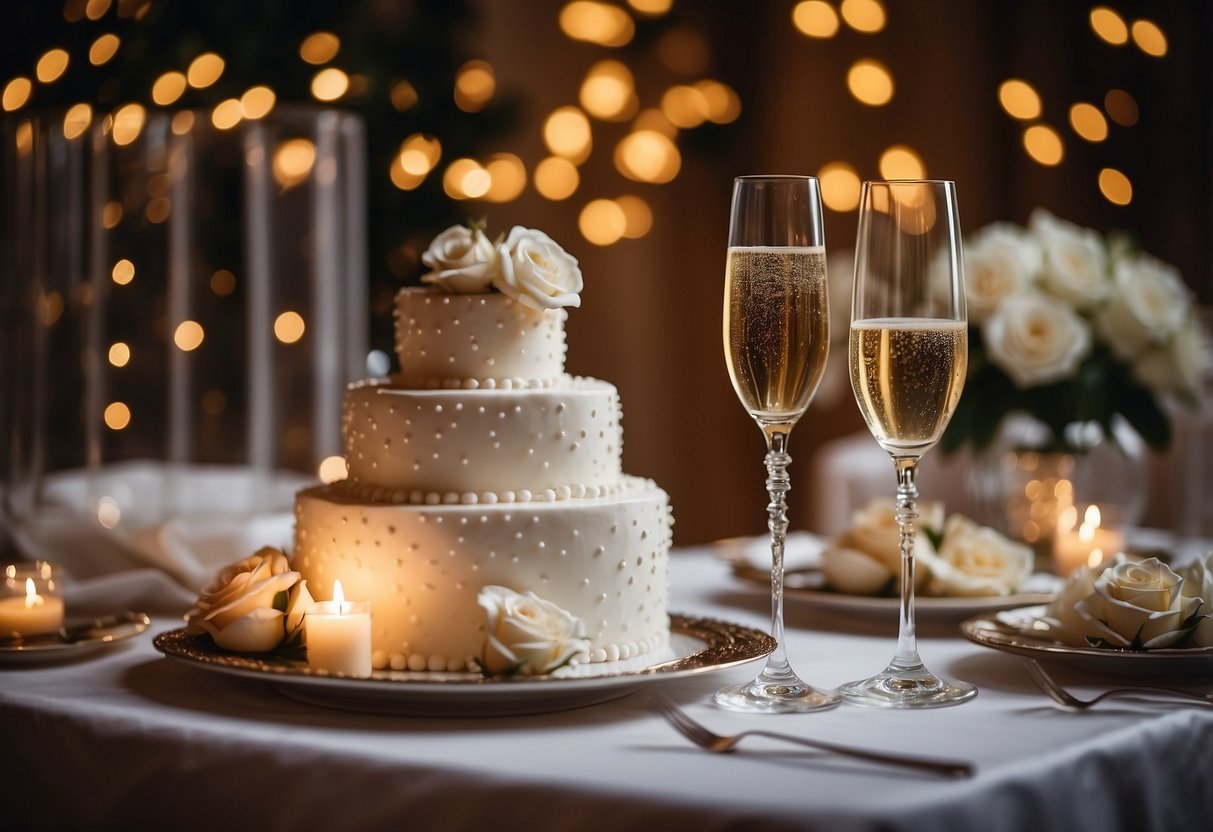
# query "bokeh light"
(1109, 26)
(128, 123)
(289, 327)
(319, 47)
(475, 84)
(1019, 99)
(1149, 38)
(119, 354)
(188, 336)
(840, 186)
(609, 91)
(123, 272)
(637, 214)
(76, 121)
(648, 156)
(117, 416)
(257, 102)
(16, 93)
(567, 133)
(1115, 186)
(507, 177)
(330, 84)
(103, 49)
(1088, 122)
(223, 282)
(293, 161)
(1121, 107)
(227, 114)
(204, 70)
(51, 65)
(600, 23)
(332, 469)
(168, 88)
(556, 178)
(404, 96)
(901, 162)
(602, 222)
(866, 16)
(815, 18)
(870, 82)
(1043, 144)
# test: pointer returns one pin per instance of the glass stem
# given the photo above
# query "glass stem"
(907, 512)
(778, 485)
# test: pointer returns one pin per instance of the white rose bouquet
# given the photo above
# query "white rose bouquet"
(1071, 328)
(254, 606)
(526, 264)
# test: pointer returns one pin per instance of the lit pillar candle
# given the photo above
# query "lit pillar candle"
(1088, 546)
(339, 635)
(30, 613)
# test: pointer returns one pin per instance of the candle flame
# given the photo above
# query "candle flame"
(32, 598)
(1092, 517)
(339, 597)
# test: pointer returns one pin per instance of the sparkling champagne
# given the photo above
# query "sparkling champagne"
(907, 374)
(776, 327)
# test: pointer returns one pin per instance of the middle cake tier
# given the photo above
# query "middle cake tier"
(470, 446)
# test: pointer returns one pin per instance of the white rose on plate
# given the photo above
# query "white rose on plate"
(1036, 340)
(462, 261)
(874, 532)
(536, 271)
(1062, 615)
(853, 572)
(1139, 604)
(1198, 583)
(1000, 261)
(1150, 304)
(252, 606)
(976, 561)
(527, 635)
(1075, 264)
(1179, 365)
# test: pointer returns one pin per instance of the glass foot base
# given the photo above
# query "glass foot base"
(763, 696)
(897, 688)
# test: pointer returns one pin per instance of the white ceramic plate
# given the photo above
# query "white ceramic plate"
(808, 586)
(81, 640)
(697, 645)
(1018, 632)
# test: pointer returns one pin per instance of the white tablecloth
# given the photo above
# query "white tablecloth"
(130, 740)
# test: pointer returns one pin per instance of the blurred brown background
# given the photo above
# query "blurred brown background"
(650, 316)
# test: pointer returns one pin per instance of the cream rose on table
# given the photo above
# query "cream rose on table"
(252, 606)
(1139, 605)
(462, 260)
(536, 271)
(527, 635)
(975, 560)
(1198, 583)
(868, 553)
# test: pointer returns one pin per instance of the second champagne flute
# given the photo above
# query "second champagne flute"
(908, 357)
(776, 341)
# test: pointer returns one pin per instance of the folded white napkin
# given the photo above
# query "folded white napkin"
(155, 533)
(801, 550)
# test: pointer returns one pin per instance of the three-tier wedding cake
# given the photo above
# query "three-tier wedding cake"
(482, 463)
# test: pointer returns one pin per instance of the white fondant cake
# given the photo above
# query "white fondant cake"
(483, 463)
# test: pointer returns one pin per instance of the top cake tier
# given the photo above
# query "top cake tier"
(476, 341)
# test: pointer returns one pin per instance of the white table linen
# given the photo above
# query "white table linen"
(130, 740)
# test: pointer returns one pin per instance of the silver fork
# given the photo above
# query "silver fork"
(1068, 700)
(701, 736)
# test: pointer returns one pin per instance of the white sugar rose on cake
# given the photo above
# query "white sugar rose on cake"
(483, 463)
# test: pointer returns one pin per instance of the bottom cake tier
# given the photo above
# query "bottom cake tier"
(603, 559)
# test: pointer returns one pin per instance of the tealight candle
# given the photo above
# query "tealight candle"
(29, 600)
(338, 635)
(1090, 545)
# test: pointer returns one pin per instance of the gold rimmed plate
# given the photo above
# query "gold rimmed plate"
(696, 646)
(1022, 632)
(74, 640)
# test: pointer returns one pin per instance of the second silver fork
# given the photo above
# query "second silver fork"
(1068, 700)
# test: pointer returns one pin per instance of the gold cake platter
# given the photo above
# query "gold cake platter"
(696, 646)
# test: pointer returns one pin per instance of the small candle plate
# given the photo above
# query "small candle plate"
(74, 640)
(697, 645)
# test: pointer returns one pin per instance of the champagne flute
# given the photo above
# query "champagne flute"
(908, 357)
(776, 341)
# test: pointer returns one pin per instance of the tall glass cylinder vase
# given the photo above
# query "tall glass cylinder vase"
(219, 310)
